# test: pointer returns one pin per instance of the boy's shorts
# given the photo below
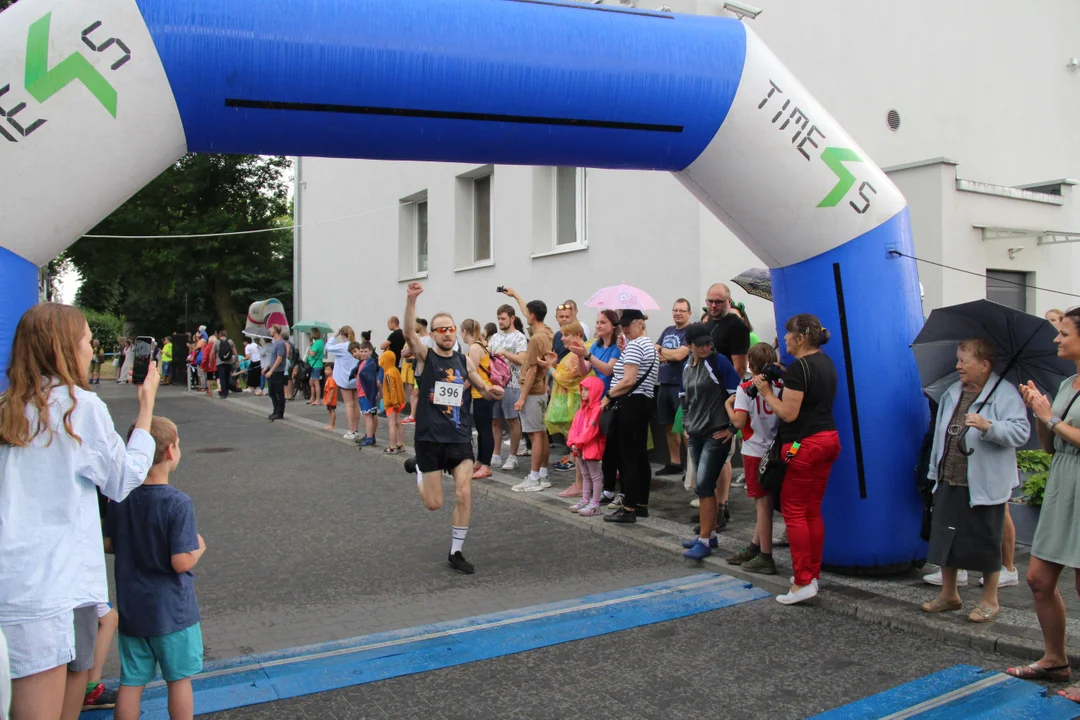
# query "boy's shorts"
(367, 408)
(751, 466)
(330, 397)
(180, 655)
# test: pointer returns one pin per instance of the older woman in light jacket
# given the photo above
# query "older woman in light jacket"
(988, 419)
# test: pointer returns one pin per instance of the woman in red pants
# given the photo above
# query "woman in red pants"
(808, 433)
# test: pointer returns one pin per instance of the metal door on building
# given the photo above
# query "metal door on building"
(1008, 288)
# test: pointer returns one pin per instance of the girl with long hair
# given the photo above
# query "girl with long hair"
(58, 447)
(337, 347)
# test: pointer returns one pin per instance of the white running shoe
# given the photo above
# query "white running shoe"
(496, 461)
(798, 596)
(815, 582)
(1006, 579)
(511, 463)
(935, 578)
(545, 483)
(695, 503)
(527, 485)
(349, 435)
(616, 502)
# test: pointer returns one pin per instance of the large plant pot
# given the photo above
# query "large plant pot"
(1026, 518)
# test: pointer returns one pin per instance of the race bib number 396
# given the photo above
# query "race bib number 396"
(449, 394)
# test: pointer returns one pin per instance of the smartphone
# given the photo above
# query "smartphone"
(144, 355)
(500, 289)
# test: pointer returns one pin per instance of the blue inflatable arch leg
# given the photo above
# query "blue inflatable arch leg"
(105, 95)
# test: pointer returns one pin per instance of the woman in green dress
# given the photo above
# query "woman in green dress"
(1057, 540)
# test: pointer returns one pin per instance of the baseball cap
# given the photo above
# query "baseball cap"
(698, 334)
(629, 316)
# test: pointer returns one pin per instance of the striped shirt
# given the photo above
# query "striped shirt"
(640, 352)
(50, 527)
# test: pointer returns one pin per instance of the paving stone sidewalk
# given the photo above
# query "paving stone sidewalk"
(892, 601)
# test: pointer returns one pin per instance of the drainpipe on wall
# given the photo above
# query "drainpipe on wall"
(298, 186)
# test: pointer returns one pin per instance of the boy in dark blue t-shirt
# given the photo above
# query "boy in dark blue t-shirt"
(153, 535)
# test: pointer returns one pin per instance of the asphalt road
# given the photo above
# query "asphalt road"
(310, 540)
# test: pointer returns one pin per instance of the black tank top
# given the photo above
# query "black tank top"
(437, 418)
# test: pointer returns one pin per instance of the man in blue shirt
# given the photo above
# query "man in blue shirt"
(153, 536)
(275, 373)
(672, 350)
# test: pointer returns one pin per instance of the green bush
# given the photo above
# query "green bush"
(1035, 464)
(106, 328)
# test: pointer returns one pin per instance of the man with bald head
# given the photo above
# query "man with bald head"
(731, 338)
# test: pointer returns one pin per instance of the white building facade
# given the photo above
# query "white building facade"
(970, 106)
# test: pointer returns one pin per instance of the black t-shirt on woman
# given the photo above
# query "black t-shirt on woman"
(819, 391)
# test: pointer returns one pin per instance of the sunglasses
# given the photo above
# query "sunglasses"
(566, 307)
(445, 329)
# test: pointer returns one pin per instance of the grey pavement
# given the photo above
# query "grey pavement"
(893, 600)
(311, 540)
(757, 660)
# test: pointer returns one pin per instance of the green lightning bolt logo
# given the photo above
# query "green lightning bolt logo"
(835, 157)
(43, 82)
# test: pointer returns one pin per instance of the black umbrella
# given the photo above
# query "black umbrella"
(1024, 344)
(756, 282)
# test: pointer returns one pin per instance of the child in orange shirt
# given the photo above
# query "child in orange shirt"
(393, 395)
(330, 392)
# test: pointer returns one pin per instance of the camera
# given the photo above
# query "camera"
(772, 372)
(500, 289)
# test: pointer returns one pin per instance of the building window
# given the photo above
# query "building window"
(421, 237)
(413, 236)
(1007, 288)
(474, 226)
(560, 215)
(568, 206)
(481, 203)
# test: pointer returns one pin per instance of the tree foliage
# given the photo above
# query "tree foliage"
(106, 328)
(155, 283)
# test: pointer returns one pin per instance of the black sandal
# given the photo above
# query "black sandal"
(1035, 671)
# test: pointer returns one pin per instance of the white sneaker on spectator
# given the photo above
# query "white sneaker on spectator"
(528, 485)
(1006, 579)
(511, 463)
(696, 503)
(349, 435)
(814, 582)
(781, 541)
(935, 578)
(545, 482)
(496, 461)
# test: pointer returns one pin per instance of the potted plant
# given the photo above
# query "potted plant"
(1034, 468)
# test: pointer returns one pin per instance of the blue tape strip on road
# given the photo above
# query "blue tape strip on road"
(273, 676)
(962, 691)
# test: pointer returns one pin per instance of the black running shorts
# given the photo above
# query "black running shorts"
(435, 457)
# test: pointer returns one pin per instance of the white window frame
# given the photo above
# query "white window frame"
(549, 245)
(490, 178)
(416, 236)
(409, 239)
(465, 223)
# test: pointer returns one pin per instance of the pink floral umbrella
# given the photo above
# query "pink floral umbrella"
(622, 297)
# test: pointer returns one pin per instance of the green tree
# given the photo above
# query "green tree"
(156, 283)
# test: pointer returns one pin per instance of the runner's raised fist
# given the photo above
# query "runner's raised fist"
(414, 290)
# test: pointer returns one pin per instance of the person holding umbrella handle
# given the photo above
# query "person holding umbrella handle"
(973, 487)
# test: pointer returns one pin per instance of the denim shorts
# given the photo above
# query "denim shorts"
(180, 655)
(709, 456)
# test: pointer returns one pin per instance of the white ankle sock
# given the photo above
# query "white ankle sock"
(457, 535)
(543, 472)
(533, 475)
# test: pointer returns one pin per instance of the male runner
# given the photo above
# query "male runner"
(443, 439)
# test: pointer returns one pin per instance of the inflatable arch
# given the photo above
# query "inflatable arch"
(98, 98)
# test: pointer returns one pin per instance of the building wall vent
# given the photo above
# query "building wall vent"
(893, 118)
